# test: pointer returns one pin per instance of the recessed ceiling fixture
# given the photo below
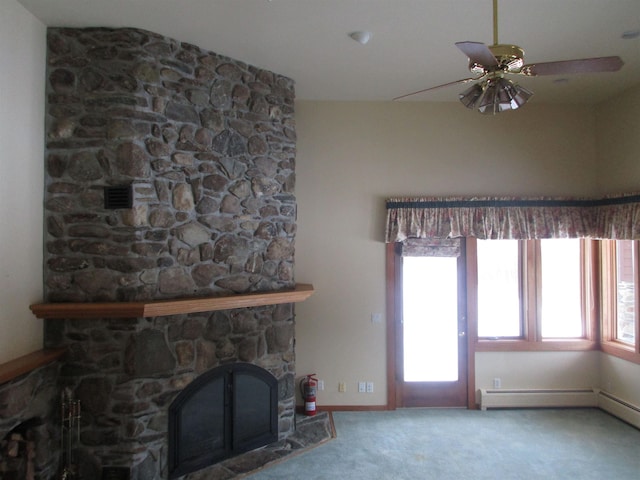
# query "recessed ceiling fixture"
(630, 34)
(492, 92)
(362, 37)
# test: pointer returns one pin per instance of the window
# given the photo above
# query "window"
(620, 325)
(532, 292)
(499, 289)
(561, 289)
(625, 292)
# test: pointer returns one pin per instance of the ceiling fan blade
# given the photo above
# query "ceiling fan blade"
(464, 80)
(585, 65)
(478, 52)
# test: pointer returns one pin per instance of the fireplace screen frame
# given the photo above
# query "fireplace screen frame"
(242, 429)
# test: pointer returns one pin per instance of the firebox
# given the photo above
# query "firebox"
(226, 411)
(18, 451)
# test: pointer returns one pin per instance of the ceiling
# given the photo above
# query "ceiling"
(412, 46)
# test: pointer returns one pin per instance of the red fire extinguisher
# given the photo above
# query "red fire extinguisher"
(308, 387)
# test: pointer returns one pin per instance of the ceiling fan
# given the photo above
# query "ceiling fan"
(493, 93)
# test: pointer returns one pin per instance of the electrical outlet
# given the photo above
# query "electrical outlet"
(369, 387)
(320, 385)
(362, 387)
(342, 387)
(497, 383)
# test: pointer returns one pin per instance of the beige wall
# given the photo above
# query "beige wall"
(22, 56)
(618, 137)
(621, 378)
(351, 156)
(618, 143)
(543, 370)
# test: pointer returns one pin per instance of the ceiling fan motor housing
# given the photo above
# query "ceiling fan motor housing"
(510, 59)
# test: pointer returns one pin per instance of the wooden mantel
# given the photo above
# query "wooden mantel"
(27, 363)
(157, 308)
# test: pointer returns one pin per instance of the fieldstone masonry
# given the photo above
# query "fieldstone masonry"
(208, 145)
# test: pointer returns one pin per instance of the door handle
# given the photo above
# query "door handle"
(462, 334)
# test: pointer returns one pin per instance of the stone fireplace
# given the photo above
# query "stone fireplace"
(205, 147)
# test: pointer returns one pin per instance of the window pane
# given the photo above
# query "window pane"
(626, 307)
(430, 319)
(561, 289)
(498, 289)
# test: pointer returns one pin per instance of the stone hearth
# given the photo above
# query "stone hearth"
(310, 432)
(206, 146)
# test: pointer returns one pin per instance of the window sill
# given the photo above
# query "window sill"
(528, 346)
(621, 351)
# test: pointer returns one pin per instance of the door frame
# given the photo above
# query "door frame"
(393, 293)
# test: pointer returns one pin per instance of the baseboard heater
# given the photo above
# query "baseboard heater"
(616, 406)
(536, 398)
(619, 408)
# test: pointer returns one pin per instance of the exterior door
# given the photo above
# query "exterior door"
(431, 325)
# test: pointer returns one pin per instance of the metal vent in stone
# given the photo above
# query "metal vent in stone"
(118, 197)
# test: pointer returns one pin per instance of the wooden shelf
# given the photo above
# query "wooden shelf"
(158, 308)
(27, 363)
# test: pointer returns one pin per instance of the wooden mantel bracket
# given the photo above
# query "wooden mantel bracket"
(157, 308)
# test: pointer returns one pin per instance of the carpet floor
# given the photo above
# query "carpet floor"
(417, 444)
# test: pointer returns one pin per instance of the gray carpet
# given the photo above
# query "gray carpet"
(416, 444)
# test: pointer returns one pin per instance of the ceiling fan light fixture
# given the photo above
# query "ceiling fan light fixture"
(512, 96)
(522, 96)
(470, 96)
(506, 95)
(489, 103)
(495, 95)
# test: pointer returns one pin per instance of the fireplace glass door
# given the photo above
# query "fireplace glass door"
(227, 411)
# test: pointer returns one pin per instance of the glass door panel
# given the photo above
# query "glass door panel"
(430, 316)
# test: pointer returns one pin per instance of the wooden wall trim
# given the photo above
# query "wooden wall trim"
(472, 319)
(390, 260)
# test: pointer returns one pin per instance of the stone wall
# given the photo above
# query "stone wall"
(207, 145)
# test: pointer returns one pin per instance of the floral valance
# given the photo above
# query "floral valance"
(614, 217)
